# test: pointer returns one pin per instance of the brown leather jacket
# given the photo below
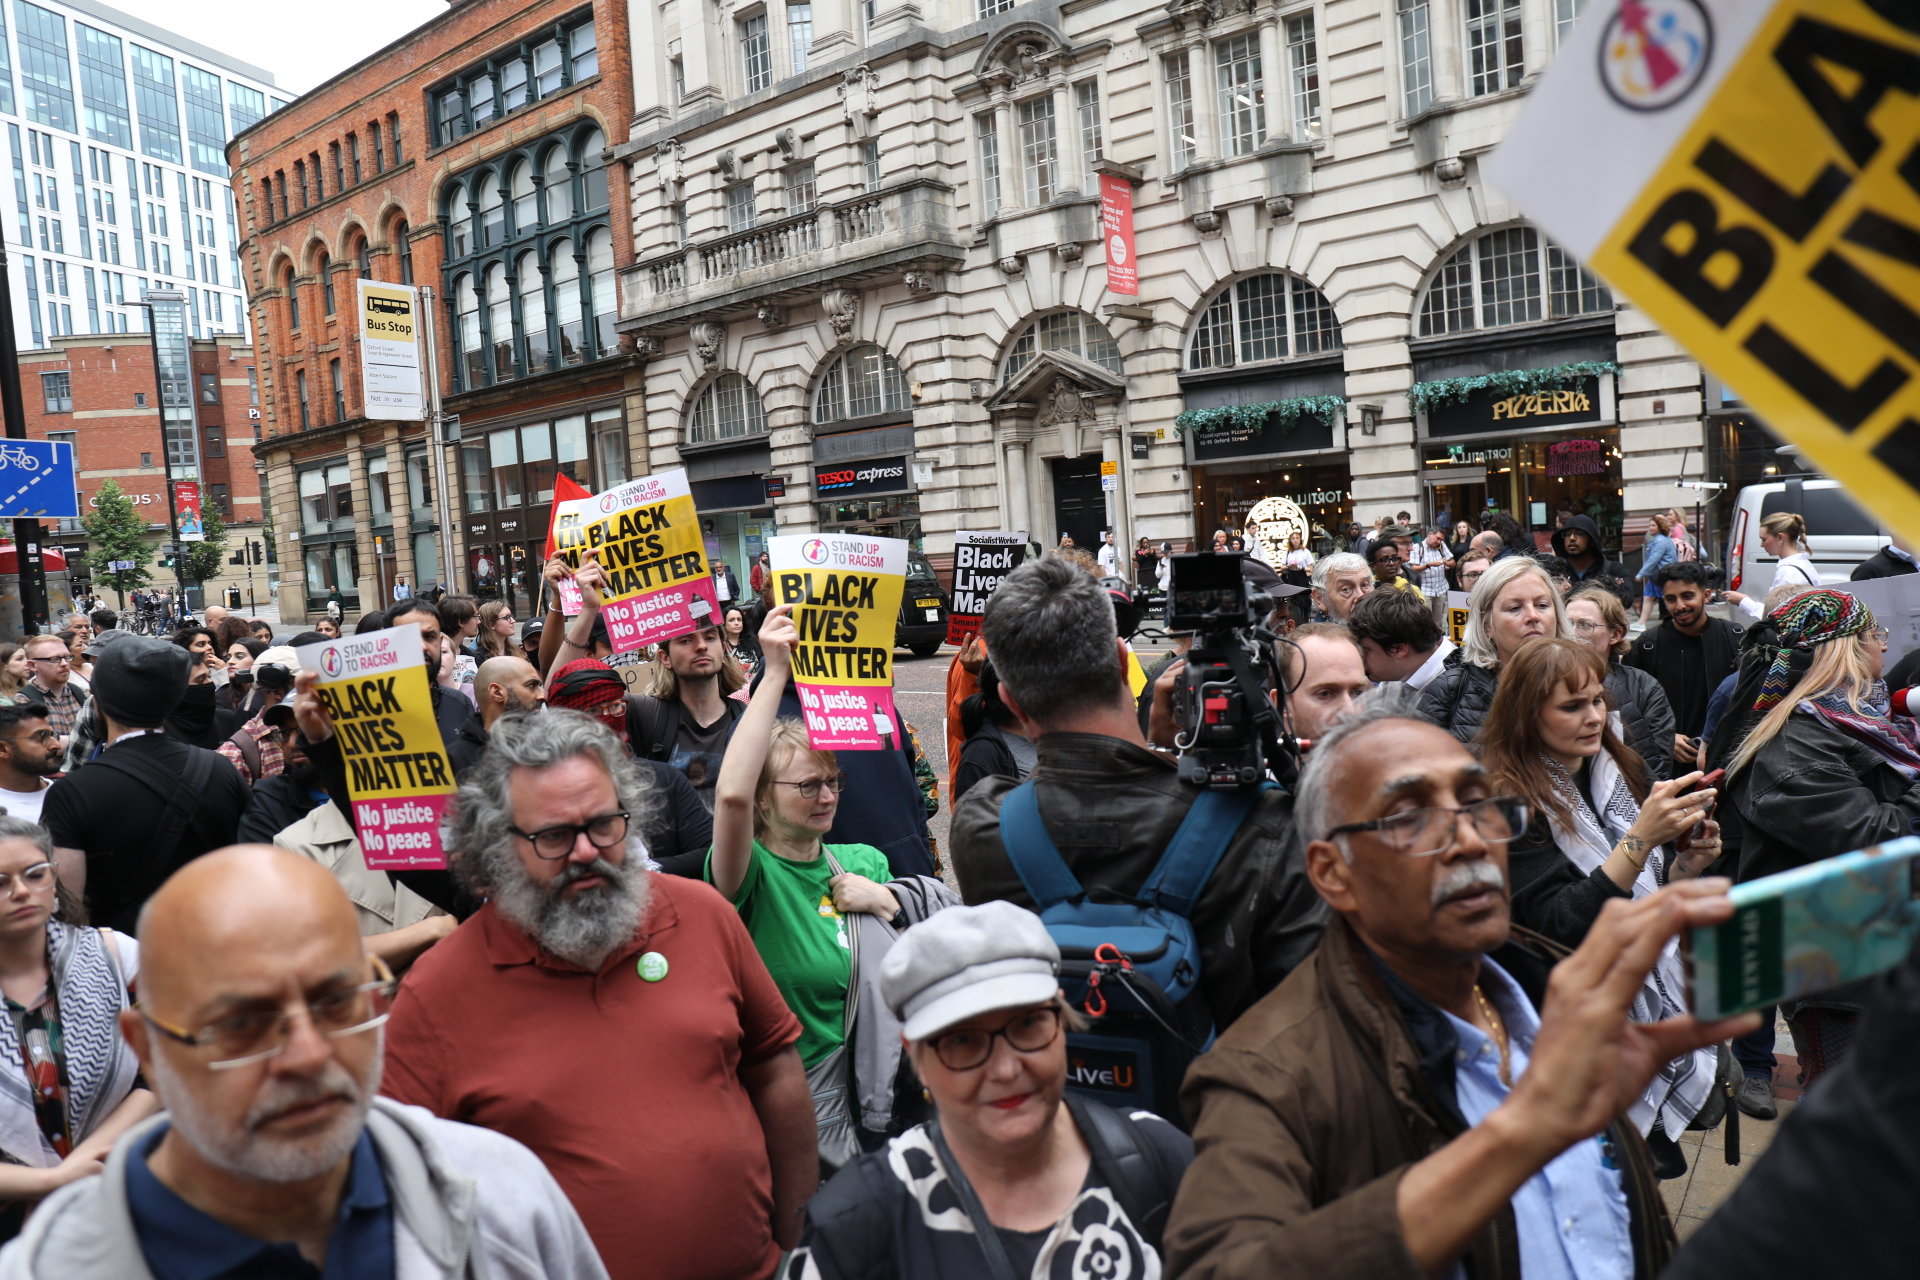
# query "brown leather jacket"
(1309, 1110)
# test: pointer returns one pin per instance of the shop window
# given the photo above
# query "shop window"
(1511, 276)
(863, 382)
(1070, 331)
(729, 409)
(379, 498)
(609, 447)
(419, 480)
(570, 452)
(1266, 317)
(503, 460)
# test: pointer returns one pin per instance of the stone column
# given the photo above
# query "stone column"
(1018, 504)
(1066, 141)
(835, 31)
(1013, 175)
(1113, 449)
(1277, 82)
(1206, 124)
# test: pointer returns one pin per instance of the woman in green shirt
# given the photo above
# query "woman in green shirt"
(775, 798)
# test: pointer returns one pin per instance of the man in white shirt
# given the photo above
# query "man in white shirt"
(29, 757)
(1109, 558)
(1399, 640)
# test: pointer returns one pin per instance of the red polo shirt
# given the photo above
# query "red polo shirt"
(629, 1090)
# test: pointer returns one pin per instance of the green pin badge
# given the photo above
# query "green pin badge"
(652, 966)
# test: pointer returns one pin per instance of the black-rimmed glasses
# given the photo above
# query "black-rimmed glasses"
(1426, 833)
(969, 1048)
(553, 843)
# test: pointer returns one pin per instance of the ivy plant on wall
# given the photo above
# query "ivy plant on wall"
(1506, 382)
(1286, 414)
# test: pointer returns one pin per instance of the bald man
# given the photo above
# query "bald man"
(499, 686)
(260, 1026)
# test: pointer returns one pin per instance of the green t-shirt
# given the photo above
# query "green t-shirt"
(788, 908)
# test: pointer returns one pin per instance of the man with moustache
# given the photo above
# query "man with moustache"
(501, 685)
(1397, 1107)
(619, 1023)
(260, 1026)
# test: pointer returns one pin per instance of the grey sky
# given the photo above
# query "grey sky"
(287, 37)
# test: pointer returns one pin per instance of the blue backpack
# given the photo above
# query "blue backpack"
(1132, 965)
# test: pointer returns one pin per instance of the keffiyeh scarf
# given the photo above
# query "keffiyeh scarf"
(1596, 819)
(1896, 742)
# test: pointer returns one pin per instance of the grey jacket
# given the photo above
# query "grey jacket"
(1646, 715)
(876, 1032)
(1813, 793)
(467, 1203)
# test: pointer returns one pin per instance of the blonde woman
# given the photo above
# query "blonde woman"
(1825, 770)
(1512, 603)
(1782, 534)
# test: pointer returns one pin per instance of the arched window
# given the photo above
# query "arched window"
(293, 299)
(473, 357)
(459, 222)
(566, 302)
(593, 169)
(526, 201)
(326, 284)
(362, 260)
(500, 321)
(533, 311)
(1071, 331)
(557, 179)
(600, 290)
(403, 246)
(1265, 317)
(1511, 276)
(492, 210)
(729, 409)
(863, 382)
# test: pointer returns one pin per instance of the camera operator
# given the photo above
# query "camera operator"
(1111, 803)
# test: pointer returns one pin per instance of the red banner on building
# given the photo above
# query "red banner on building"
(192, 526)
(1116, 228)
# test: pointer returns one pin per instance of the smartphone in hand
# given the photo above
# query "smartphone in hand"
(1807, 930)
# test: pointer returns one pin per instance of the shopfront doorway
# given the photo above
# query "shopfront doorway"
(1079, 504)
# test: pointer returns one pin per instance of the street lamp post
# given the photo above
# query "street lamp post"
(166, 444)
(31, 568)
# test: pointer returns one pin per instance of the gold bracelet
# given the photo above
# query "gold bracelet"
(1633, 845)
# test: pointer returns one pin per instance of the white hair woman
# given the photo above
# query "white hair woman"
(1825, 770)
(1013, 1177)
(1513, 602)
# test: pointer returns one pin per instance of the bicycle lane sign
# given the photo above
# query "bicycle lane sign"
(37, 480)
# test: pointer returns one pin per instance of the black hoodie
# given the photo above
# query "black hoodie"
(1602, 572)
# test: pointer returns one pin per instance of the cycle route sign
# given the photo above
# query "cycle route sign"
(37, 481)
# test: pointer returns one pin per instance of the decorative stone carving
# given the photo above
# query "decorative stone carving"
(860, 93)
(1023, 62)
(1066, 402)
(1207, 222)
(789, 143)
(728, 164)
(1068, 251)
(1013, 265)
(1451, 170)
(841, 305)
(671, 163)
(920, 283)
(1280, 208)
(644, 345)
(773, 317)
(708, 336)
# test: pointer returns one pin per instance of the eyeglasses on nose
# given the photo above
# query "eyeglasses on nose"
(810, 789)
(967, 1049)
(552, 843)
(257, 1034)
(1427, 833)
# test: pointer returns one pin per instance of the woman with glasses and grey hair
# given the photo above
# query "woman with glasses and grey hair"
(775, 798)
(67, 1079)
(1013, 1178)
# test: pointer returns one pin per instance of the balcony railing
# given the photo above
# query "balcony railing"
(891, 228)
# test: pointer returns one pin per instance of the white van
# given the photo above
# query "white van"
(1839, 534)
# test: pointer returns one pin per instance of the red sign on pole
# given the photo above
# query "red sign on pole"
(192, 525)
(1116, 228)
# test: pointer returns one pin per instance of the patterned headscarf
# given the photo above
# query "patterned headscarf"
(1810, 618)
(590, 685)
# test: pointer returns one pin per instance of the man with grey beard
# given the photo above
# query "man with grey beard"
(619, 1023)
(260, 1026)
(1397, 1107)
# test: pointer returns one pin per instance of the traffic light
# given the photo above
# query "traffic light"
(253, 551)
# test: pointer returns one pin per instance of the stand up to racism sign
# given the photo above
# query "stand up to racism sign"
(646, 535)
(845, 592)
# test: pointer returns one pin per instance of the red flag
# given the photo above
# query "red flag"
(1116, 227)
(565, 489)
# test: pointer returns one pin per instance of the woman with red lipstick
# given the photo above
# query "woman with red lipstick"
(67, 1079)
(1013, 1178)
(1599, 831)
(775, 798)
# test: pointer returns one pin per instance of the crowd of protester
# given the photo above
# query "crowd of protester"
(692, 997)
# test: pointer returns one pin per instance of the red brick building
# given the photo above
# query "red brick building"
(468, 157)
(98, 391)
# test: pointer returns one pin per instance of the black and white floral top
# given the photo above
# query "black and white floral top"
(894, 1213)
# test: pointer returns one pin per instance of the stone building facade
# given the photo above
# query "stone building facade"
(470, 157)
(869, 281)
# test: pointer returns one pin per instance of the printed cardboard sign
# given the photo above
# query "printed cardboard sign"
(375, 688)
(981, 562)
(646, 535)
(845, 592)
(1746, 173)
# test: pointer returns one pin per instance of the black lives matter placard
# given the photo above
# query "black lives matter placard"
(981, 562)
